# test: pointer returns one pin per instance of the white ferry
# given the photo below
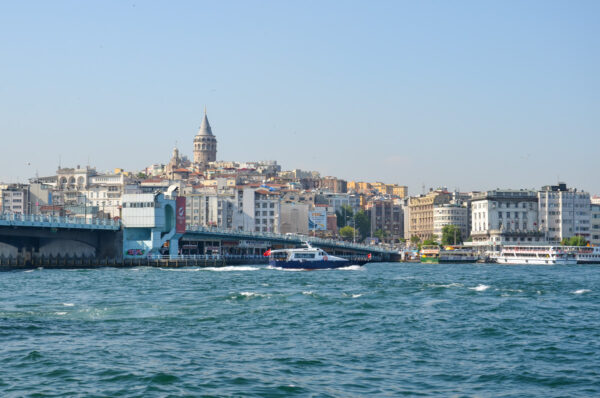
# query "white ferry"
(585, 254)
(307, 258)
(536, 255)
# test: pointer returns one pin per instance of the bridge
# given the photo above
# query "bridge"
(288, 240)
(30, 235)
(46, 237)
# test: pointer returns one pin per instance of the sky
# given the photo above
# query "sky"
(468, 95)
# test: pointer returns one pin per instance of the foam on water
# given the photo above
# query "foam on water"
(449, 285)
(253, 294)
(480, 288)
(68, 304)
(581, 291)
(180, 269)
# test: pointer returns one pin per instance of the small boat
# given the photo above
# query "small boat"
(307, 258)
(535, 255)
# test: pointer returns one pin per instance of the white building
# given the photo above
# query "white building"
(505, 217)
(14, 199)
(148, 224)
(256, 209)
(450, 214)
(209, 208)
(106, 192)
(564, 213)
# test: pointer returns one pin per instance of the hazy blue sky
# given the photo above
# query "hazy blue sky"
(469, 95)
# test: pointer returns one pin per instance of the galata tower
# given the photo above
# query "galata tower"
(205, 145)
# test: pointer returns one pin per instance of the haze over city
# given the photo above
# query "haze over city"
(465, 95)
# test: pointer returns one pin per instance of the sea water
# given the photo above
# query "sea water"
(379, 330)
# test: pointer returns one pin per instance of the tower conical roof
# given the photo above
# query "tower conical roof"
(205, 126)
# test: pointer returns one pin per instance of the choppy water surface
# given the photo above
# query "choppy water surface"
(380, 330)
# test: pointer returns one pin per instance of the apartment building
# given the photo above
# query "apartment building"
(564, 212)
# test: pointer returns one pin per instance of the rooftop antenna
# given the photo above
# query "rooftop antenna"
(59, 161)
(423, 188)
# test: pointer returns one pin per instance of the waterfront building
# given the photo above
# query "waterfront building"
(595, 224)
(450, 214)
(205, 145)
(386, 215)
(564, 212)
(421, 213)
(505, 217)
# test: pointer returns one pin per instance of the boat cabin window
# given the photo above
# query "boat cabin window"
(304, 255)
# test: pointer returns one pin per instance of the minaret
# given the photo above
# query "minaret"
(205, 145)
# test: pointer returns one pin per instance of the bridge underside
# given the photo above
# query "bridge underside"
(46, 242)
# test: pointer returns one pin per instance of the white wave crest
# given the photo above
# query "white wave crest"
(180, 269)
(581, 291)
(60, 313)
(231, 268)
(307, 292)
(68, 304)
(253, 294)
(480, 288)
(29, 270)
(356, 295)
(447, 286)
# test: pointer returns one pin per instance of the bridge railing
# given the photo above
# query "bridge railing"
(50, 221)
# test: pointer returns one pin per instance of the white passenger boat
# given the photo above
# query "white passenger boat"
(307, 258)
(535, 255)
(585, 254)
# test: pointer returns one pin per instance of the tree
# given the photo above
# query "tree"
(451, 235)
(343, 215)
(430, 242)
(347, 232)
(363, 223)
(574, 241)
(415, 240)
(381, 234)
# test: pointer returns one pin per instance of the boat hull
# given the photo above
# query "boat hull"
(533, 261)
(312, 264)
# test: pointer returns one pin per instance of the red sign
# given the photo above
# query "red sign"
(180, 215)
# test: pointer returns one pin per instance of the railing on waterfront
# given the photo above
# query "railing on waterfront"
(39, 220)
(291, 238)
